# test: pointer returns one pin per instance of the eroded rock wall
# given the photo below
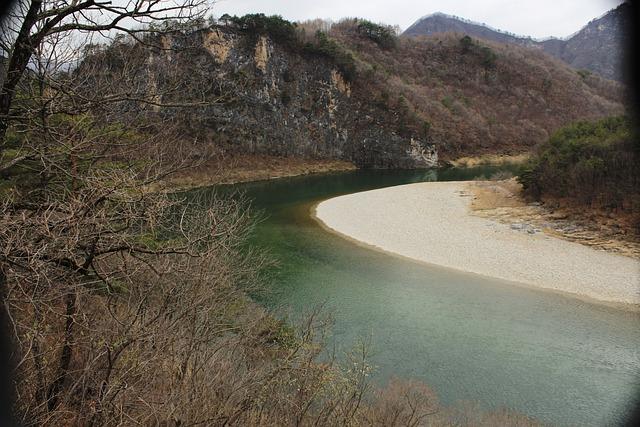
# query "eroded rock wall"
(267, 99)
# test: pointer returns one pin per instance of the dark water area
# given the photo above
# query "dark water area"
(559, 359)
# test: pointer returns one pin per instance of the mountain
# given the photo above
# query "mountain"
(355, 93)
(439, 23)
(598, 47)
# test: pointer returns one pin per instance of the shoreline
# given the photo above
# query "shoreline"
(243, 169)
(625, 297)
(490, 160)
(502, 201)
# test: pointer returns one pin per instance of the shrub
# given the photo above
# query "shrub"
(382, 35)
(275, 26)
(589, 163)
(466, 43)
(330, 48)
(584, 74)
(285, 97)
(447, 101)
(426, 128)
(487, 56)
(288, 76)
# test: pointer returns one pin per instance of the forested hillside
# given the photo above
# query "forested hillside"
(128, 306)
(477, 97)
(598, 47)
(353, 91)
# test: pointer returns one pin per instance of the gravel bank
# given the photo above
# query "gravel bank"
(431, 222)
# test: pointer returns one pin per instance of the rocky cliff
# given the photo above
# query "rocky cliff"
(266, 98)
(346, 95)
(599, 46)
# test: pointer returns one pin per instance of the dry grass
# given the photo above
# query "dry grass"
(496, 194)
(605, 230)
(232, 169)
(490, 159)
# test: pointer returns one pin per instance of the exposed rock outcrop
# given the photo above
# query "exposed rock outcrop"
(217, 44)
(425, 156)
(262, 54)
(272, 100)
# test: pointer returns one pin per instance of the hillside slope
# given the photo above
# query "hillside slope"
(597, 47)
(344, 96)
(479, 97)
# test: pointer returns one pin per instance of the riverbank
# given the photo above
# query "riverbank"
(490, 159)
(246, 168)
(611, 231)
(433, 223)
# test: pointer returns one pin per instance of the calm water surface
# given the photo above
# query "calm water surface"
(471, 338)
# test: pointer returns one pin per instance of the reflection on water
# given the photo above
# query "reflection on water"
(559, 359)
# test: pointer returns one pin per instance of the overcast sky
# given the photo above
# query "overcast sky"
(536, 18)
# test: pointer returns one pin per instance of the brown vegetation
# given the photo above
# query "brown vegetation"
(503, 200)
(475, 97)
(467, 97)
(125, 306)
(231, 169)
(490, 159)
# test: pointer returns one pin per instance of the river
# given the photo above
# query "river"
(559, 359)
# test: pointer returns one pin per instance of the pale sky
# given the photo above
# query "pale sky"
(536, 18)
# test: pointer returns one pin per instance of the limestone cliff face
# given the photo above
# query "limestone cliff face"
(278, 102)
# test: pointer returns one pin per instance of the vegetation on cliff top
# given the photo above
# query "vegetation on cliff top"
(317, 41)
(274, 26)
(382, 35)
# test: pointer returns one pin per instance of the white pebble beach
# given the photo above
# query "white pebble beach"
(432, 222)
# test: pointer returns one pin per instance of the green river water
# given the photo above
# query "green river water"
(559, 359)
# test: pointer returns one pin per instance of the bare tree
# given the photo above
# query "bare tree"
(127, 306)
(81, 235)
(41, 40)
(31, 22)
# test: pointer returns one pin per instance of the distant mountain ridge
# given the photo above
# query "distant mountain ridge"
(439, 22)
(598, 47)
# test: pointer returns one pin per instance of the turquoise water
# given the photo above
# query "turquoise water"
(471, 338)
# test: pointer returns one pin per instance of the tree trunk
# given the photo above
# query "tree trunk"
(6, 370)
(53, 395)
(18, 61)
